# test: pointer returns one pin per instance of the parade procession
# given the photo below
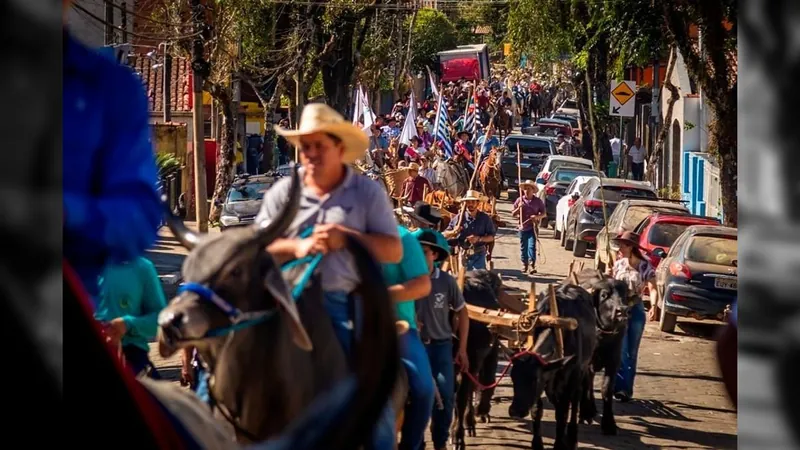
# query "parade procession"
(466, 246)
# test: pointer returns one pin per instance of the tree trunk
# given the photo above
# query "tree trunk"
(225, 158)
(674, 96)
(722, 133)
(269, 121)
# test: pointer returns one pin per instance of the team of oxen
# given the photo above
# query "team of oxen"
(276, 366)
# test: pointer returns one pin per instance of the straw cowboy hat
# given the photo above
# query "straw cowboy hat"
(321, 118)
(471, 195)
(530, 184)
(628, 237)
(413, 166)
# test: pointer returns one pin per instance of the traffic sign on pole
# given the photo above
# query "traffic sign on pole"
(623, 102)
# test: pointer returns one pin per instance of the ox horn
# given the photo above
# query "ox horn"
(270, 232)
(182, 233)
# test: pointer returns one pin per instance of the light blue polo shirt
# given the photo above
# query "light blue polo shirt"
(413, 265)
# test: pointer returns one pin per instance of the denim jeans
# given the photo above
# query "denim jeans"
(440, 354)
(201, 389)
(338, 305)
(638, 171)
(527, 247)
(477, 261)
(420, 391)
(630, 350)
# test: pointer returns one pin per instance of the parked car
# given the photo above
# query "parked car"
(556, 161)
(573, 121)
(569, 108)
(548, 129)
(535, 150)
(628, 214)
(586, 219)
(660, 230)
(243, 201)
(556, 187)
(560, 122)
(565, 203)
(698, 277)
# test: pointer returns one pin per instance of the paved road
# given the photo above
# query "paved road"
(680, 400)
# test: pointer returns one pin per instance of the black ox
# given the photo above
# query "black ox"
(562, 378)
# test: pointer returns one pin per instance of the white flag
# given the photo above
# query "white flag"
(410, 126)
(357, 109)
(433, 84)
(369, 117)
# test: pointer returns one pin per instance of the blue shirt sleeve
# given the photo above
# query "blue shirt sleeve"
(121, 220)
(413, 264)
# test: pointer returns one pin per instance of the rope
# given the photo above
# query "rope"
(483, 387)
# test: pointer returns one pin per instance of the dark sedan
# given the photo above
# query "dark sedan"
(556, 188)
(243, 201)
(535, 150)
(698, 277)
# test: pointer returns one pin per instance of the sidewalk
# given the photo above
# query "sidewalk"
(168, 255)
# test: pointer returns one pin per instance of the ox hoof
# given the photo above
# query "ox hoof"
(537, 443)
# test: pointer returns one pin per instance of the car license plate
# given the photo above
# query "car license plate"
(726, 283)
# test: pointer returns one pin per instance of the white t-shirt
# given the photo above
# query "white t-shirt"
(616, 146)
(637, 154)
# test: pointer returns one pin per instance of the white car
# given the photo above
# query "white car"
(558, 161)
(565, 203)
(569, 108)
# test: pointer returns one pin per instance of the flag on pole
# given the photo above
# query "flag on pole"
(469, 117)
(369, 116)
(473, 119)
(357, 108)
(441, 133)
(410, 125)
(434, 91)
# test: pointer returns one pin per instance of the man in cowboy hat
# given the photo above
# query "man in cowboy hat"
(336, 203)
(424, 216)
(488, 141)
(415, 187)
(463, 145)
(425, 169)
(433, 312)
(378, 145)
(530, 209)
(472, 230)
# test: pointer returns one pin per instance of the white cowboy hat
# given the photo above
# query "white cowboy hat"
(413, 166)
(529, 183)
(471, 195)
(321, 118)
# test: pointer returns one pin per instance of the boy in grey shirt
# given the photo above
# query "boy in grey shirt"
(433, 317)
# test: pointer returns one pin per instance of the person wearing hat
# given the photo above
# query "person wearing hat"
(562, 146)
(378, 146)
(463, 145)
(424, 216)
(433, 312)
(530, 210)
(472, 230)
(633, 268)
(391, 130)
(424, 135)
(415, 186)
(340, 203)
(488, 141)
(413, 151)
(426, 171)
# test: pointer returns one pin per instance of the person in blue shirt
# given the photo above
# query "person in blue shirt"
(488, 141)
(472, 232)
(111, 206)
(128, 305)
(408, 282)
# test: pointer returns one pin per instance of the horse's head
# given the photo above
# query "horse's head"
(231, 284)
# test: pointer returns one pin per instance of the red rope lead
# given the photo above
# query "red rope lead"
(482, 387)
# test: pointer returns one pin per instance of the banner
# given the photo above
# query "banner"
(410, 125)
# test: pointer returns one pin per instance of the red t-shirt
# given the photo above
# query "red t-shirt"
(413, 188)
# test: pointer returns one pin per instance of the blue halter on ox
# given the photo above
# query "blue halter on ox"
(241, 319)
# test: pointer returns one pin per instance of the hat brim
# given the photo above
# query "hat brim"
(627, 241)
(354, 139)
(442, 252)
(419, 218)
(467, 199)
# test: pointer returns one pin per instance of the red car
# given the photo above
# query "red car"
(660, 231)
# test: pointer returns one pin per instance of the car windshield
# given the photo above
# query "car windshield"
(721, 250)
(636, 214)
(619, 193)
(555, 164)
(528, 146)
(664, 234)
(567, 174)
(247, 192)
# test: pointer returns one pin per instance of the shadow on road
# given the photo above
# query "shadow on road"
(679, 376)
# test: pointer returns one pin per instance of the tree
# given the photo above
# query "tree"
(433, 33)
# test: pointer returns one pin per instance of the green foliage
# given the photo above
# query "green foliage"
(542, 29)
(688, 125)
(433, 32)
(168, 165)
(316, 89)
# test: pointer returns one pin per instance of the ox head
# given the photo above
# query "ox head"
(231, 283)
(611, 302)
(532, 371)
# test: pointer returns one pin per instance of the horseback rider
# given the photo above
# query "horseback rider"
(472, 231)
(415, 186)
(338, 203)
(434, 316)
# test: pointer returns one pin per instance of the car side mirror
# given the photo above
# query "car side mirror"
(660, 253)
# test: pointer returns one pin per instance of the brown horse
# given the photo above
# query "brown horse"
(489, 175)
(503, 122)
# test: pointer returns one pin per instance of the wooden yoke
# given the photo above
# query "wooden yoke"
(506, 319)
(554, 311)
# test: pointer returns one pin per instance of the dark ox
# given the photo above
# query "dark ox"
(264, 376)
(609, 299)
(561, 379)
(481, 288)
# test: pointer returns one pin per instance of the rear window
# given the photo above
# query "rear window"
(561, 163)
(528, 147)
(567, 175)
(635, 214)
(664, 234)
(713, 250)
(619, 193)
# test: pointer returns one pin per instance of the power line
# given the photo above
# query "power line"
(140, 36)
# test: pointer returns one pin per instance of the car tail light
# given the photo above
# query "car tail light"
(678, 297)
(589, 205)
(546, 176)
(589, 238)
(680, 270)
(571, 202)
(550, 190)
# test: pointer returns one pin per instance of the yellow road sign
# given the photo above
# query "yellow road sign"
(622, 93)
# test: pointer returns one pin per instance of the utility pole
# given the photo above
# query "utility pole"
(108, 39)
(167, 87)
(124, 22)
(199, 71)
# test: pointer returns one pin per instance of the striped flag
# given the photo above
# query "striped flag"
(469, 117)
(440, 132)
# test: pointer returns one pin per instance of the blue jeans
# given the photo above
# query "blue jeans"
(420, 391)
(527, 247)
(440, 355)
(338, 306)
(630, 350)
(201, 389)
(477, 261)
